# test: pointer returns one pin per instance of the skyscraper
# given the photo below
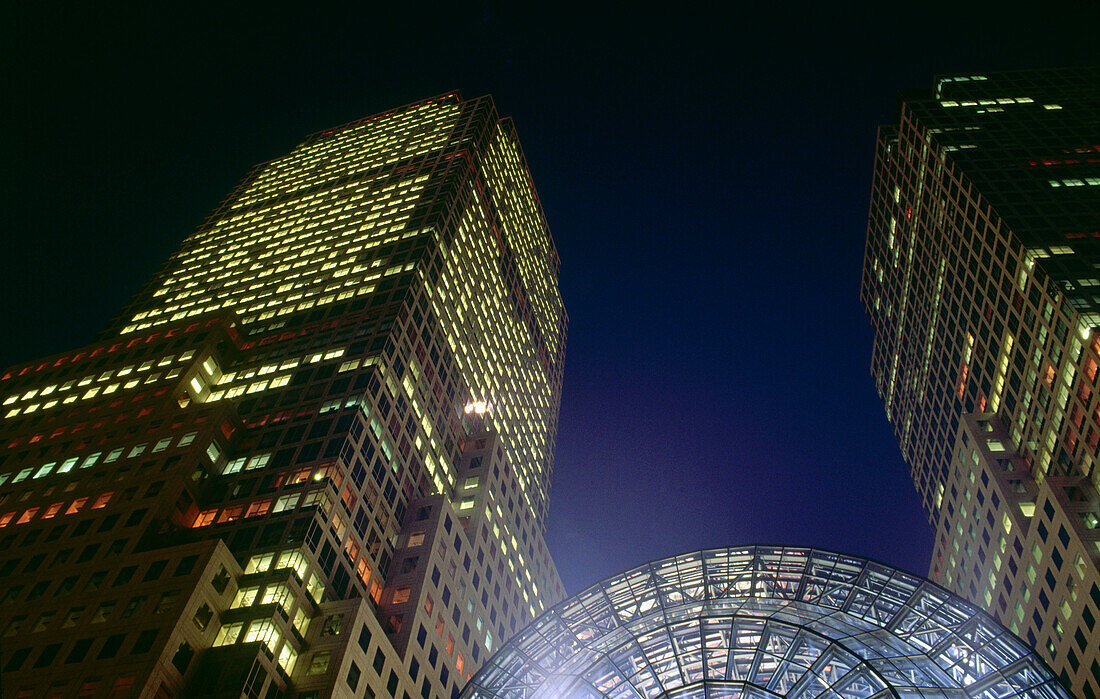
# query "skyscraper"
(981, 278)
(312, 457)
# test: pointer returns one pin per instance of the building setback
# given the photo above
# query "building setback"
(981, 278)
(312, 457)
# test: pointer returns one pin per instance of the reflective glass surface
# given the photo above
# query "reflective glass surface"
(765, 622)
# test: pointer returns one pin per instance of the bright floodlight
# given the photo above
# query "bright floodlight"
(764, 622)
(477, 407)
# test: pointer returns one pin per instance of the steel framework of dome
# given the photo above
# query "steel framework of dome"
(765, 622)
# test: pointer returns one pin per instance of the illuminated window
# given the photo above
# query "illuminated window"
(401, 595)
(228, 634)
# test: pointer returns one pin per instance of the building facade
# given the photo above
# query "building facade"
(312, 457)
(764, 622)
(981, 278)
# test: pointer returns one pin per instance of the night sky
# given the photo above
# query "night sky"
(706, 176)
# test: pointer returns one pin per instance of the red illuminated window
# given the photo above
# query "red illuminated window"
(231, 514)
(351, 549)
(1076, 416)
(260, 507)
(1048, 375)
(363, 569)
(204, 518)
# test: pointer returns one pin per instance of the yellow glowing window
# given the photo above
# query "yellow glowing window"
(278, 594)
(280, 381)
(287, 658)
(228, 634)
(315, 588)
(294, 560)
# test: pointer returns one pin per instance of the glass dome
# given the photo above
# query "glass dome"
(765, 622)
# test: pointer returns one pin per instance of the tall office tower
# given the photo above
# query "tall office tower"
(981, 278)
(312, 457)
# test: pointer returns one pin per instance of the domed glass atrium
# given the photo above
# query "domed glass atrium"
(765, 622)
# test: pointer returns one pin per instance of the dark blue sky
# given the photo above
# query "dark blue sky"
(705, 173)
